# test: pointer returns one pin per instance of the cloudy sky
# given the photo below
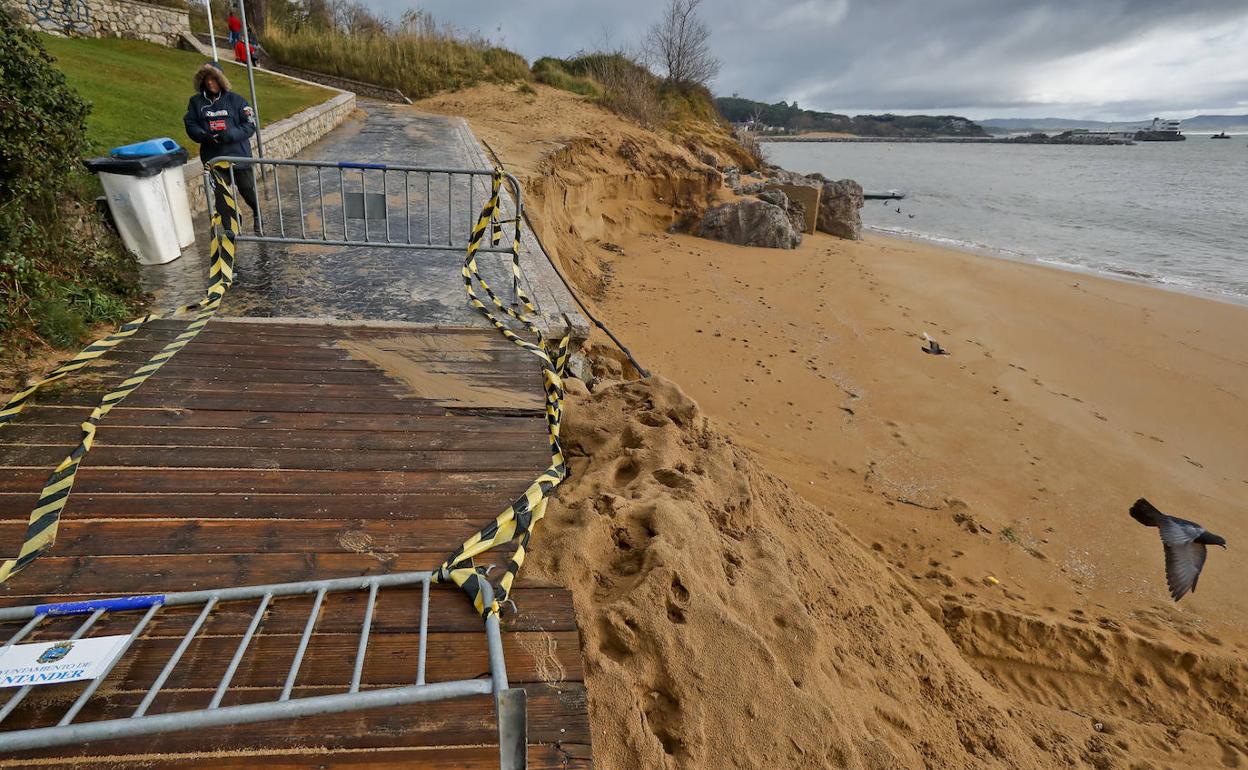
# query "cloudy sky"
(1089, 59)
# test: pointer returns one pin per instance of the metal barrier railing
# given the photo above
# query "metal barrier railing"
(371, 204)
(510, 704)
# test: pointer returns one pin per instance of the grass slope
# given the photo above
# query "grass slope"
(139, 90)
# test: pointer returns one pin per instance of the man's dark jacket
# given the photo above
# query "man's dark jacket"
(222, 124)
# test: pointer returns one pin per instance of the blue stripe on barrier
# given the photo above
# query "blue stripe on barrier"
(109, 605)
(347, 164)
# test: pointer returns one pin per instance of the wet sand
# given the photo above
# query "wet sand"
(1065, 398)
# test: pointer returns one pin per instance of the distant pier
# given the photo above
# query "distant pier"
(1081, 139)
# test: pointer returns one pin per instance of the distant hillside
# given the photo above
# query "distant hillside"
(1216, 123)
(792, 118)
(1200, 123)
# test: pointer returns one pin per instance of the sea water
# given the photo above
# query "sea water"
(1169, 213)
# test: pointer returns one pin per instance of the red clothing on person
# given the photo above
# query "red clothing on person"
(240, 51)
(235, 23)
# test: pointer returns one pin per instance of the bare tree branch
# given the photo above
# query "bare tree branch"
(679, 41)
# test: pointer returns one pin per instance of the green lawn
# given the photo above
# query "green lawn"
(139, 90)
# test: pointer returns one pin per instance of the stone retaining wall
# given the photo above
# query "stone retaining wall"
(282, 139)
(104, 18)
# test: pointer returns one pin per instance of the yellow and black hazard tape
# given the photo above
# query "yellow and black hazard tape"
(45, 518)
(516, 523)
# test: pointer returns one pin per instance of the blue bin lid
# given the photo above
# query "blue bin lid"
(162, 146)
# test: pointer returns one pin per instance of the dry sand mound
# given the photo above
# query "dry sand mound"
(728, 623)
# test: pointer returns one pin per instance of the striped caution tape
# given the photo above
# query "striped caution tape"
(41, 527)
(516, 523)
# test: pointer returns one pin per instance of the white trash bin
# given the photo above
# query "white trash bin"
(179, 204)
(138, 199)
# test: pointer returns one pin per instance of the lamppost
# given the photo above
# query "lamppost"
(211, 35)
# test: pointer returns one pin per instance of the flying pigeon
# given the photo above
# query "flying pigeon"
(910, 215)
(899, 209)
(933, 347)
(1184, 542)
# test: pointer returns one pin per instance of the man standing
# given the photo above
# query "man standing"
(222, 122)
(236, 26)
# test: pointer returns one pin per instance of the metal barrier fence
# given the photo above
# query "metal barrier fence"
(510, 704)
(371, 204)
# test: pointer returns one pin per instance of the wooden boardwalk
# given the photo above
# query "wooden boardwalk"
(271, 452)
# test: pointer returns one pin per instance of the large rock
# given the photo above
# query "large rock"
(803, 199)
(795, 210)
(751, 222)
(783, 176)
(838, 209)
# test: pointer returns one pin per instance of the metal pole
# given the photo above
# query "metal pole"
(212, 35)
(251, 82)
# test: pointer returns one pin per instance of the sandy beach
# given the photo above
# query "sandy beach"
(991, 485)
(1065, 398)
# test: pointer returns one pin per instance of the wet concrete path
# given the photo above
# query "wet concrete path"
(374, 283)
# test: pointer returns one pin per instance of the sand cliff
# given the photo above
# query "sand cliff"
(784, 560)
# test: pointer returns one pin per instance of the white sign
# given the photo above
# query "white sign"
(57, 662)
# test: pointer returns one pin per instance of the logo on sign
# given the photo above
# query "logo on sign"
(55, 652)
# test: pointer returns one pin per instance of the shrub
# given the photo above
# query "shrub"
(614, 79)
(417, 55)
(60, 271)
(554, 73)
(752, 148)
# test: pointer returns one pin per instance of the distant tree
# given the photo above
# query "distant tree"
(679, 40)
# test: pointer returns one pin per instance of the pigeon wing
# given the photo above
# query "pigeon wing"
(1178, 532)
(1183, 565)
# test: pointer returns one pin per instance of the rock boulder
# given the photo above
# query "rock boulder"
(838, 209)
(795, 210)
(751, 222)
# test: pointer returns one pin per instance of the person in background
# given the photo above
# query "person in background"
(240, 52)
(222, 122)
(236, 26)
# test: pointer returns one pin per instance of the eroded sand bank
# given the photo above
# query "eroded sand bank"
(785, 559)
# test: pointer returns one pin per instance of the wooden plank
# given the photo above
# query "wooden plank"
(329, 660)
(469, 350)
(258, 482)
(542, 756)
(477, 505)
(541, 608)
(519, 388)
(193, 356)
(312, 419)
(479, 335)
(41, 457)
(81, 536)
(121, 575)
(178, 368)
(239, 348)
(528, 438)
(556, 713)
(525, 403)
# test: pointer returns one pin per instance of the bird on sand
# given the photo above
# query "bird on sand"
(933, 347)
(1184, 542)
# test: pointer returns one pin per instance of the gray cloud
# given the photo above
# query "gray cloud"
(1115, 59)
